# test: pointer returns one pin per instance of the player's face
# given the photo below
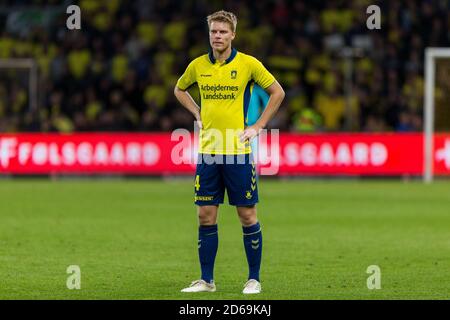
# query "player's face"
(220, 35)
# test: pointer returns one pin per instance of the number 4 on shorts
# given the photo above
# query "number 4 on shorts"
(197, 182)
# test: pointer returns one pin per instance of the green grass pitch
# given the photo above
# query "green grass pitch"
(137, 239)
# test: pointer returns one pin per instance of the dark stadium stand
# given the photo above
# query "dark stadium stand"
(118, 72)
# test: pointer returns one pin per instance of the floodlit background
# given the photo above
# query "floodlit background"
(118, 72)
(80, 105)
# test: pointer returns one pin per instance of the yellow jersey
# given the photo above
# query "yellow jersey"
(225, 90)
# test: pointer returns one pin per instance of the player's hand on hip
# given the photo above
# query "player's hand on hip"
(198, 120)
(250, 133)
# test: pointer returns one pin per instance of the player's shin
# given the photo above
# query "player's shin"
(207, 248)
(253, 249)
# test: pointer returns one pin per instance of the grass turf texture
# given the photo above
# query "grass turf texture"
(137, 239)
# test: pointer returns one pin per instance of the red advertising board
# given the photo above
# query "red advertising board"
(351, 154)
(89, 153)
(164, 154)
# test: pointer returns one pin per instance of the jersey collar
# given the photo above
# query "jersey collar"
(228, 60)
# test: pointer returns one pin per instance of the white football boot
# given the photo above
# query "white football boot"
(200, 286)
(252, 286)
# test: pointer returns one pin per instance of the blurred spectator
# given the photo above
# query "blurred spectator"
(307, 120)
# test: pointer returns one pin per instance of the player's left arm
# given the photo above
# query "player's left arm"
(276, 96)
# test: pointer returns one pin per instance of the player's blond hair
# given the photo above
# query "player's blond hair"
(223, 16)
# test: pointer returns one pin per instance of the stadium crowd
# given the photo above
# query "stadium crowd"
(118, 72)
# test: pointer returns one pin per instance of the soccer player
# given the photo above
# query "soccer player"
(225, 78)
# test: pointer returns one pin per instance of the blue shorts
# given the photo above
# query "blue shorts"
(235, 173)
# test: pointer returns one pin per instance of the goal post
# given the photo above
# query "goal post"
(31, 65)
(431, 54)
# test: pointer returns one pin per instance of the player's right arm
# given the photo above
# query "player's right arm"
(180, 91)
(188, 102)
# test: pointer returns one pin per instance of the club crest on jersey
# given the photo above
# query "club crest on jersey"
(233, 74)
(248, 195)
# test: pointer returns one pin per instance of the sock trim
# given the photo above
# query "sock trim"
(207, 226)
(248, 234)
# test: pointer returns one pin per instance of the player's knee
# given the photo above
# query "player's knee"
(248, 220)
(207, 215)
(205, 220)
(247, 216)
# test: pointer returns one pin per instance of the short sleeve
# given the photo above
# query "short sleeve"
(188, 78)
(260, 74)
